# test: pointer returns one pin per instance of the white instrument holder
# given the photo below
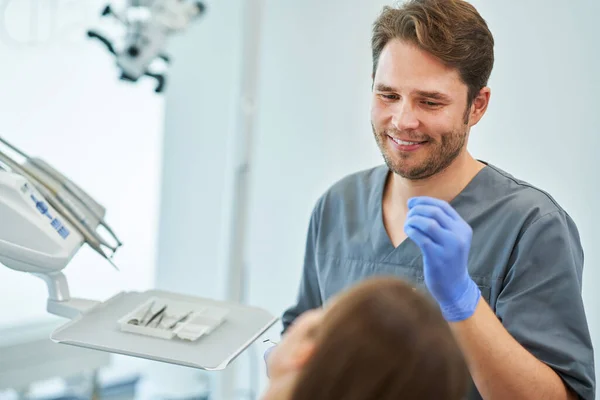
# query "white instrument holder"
(105, 327)
(169, 319)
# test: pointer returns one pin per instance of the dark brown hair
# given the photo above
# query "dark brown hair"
(382, 340)
(451, 30)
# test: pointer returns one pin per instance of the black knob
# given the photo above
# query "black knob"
(133, 51)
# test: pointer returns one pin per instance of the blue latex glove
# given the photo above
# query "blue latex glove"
(266, 359)
(445, 240)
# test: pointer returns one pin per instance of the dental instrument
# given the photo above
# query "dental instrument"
(40, 235)
(56, 182)
(160, 312)
(91, 238)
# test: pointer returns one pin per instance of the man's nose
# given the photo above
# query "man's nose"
(405, 117)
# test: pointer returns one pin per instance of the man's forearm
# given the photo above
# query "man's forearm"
(501, 368)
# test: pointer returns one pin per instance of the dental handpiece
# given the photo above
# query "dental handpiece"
(70, 207)
(77, 193)
(70, 187)
(89, 238)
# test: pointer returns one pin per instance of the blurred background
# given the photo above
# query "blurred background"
(296, 76)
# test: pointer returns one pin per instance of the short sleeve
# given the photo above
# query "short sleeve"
(309, 294)
(540, 303)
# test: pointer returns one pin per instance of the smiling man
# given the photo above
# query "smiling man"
(500, 257)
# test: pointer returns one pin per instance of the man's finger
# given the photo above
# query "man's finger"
(431, 228)
(421, 239)
(432, 212)
(425, 200)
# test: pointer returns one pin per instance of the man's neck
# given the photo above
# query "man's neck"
(445, 185)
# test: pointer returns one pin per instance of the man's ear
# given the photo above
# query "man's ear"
(479, 106)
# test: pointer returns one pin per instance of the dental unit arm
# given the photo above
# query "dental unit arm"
(45, 219)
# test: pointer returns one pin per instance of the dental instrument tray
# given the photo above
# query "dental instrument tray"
(168, 319)
(168, 327)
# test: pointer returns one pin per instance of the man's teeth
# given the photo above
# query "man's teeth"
(402, 142)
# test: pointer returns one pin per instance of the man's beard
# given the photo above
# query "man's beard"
(440, 154)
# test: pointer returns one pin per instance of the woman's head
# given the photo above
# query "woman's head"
(379, 340)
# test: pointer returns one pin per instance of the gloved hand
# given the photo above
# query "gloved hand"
(445, 240)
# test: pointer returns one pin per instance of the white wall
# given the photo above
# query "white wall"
(198, 125)
(313, 128)
(200, 101)
(60, 99)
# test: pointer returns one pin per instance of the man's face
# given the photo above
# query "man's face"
(418, 111)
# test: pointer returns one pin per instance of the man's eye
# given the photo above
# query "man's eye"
(431, 104)
(389, 96)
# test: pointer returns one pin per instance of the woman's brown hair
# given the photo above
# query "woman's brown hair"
(383, 340)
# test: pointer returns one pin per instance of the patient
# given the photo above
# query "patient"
(379, 340)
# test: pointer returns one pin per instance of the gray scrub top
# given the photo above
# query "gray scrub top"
(525, 256)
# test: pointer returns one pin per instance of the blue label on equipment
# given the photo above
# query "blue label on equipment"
(64, 232)
(55, 222)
